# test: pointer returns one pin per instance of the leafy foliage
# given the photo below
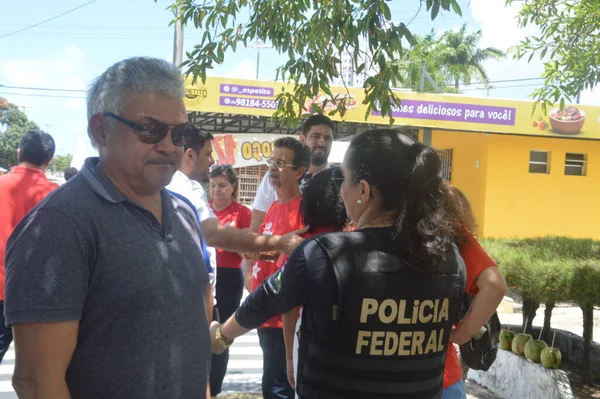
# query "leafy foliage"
(313, 34)
(569, 44)
(13, 126)
(552, 270)
(61, 162)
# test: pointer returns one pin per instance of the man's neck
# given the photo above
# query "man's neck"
(285, 194)
(32, 166)
(185, 171)
(148, 201)
(314, 169)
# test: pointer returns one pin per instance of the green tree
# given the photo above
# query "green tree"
(313, 34)
(61, 162)
(13, 126)
(462, 57)
(569, 44)
(427, 51)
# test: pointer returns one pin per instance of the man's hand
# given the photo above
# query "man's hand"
(288, 243)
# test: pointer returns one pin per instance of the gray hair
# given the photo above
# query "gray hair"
(133, 75)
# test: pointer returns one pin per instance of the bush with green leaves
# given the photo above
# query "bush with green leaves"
(552, 270)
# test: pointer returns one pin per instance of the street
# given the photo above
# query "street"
(243, 375)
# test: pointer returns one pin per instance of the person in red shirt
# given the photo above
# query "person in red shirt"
(323, 211)
(484, 281)
(230, 280)
(287, 165)
(21, 189)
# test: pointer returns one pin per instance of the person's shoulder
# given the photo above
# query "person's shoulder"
(241, 208)
(74, 199)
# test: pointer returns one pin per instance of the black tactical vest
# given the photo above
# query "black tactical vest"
(392, 328)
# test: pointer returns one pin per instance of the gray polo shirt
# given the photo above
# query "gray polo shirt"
(88, 253)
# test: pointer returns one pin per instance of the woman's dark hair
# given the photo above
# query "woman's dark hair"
(228, 172)
(407, 177)
(321, 203)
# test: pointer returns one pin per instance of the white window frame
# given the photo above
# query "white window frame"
(547, 163)
(576, 163)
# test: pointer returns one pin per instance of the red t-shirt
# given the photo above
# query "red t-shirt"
(280, 219)
(476, 261)
(20, 190)
(238, 216)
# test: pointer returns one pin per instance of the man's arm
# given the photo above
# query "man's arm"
(236, 240)
(43, 353)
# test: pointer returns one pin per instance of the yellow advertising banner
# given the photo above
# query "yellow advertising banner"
(436, 111)
(242, 150)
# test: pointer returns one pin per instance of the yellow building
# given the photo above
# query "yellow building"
(527, 186)
(526, 173)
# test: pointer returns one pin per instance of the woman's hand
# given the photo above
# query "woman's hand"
(216, 348)
(459, 336)
(289, 242)
(289, 364)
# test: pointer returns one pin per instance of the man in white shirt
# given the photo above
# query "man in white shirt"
(186, 181)
(317, 134)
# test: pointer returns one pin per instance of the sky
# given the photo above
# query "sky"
(68, 52)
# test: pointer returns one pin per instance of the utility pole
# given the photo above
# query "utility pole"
(258, 46)
(178, 40)
(48, 127)
(488, 89)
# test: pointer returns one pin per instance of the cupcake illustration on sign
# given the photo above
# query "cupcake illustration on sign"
(569, 120)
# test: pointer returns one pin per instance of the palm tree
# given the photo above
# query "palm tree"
(427, 49)
(462, 57)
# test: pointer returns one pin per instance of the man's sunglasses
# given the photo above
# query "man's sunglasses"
(153, 131)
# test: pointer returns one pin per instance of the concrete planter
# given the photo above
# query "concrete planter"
(570, 345)
(514, 377)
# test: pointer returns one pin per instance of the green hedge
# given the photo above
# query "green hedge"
(549, 270)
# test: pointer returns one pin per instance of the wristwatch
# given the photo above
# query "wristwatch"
(222, 340)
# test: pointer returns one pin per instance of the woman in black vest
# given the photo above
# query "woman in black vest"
(379, 303)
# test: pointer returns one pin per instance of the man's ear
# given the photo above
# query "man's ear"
(189, 155)
(98, 127)
(300, 172)
(302, 138)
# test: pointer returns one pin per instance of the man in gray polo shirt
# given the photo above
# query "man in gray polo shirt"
(105, 278)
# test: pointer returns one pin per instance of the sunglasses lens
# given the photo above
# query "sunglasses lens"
(181, 134)
(153, 133)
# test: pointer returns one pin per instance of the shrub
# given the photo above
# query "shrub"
(550, 270)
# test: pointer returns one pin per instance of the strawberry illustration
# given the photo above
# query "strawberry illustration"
(535, 124)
